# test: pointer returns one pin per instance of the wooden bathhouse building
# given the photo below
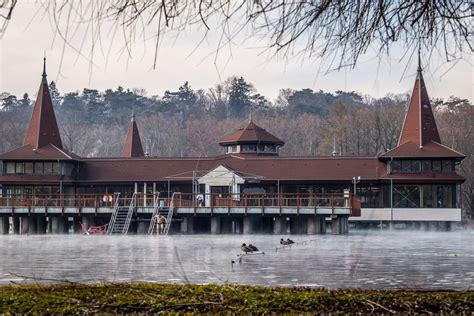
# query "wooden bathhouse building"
(250, 188)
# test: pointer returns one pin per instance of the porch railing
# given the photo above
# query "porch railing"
(332, 200)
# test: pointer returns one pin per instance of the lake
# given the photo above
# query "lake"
(363, 259)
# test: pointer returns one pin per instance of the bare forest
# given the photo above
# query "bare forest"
(186, 122)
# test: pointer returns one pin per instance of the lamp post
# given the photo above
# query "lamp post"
(355, 180)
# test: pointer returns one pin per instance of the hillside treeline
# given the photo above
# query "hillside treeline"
(189, 122)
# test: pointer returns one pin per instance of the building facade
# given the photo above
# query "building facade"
(248, 189)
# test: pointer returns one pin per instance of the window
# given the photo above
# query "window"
(248, 148)
(406, 196)
(48, 168)
(426, 165)
(436, 165)
(406, 165)
(270, 148)
(28, 167)
(39, 167)
(396, 166)
(19, 167)
(56, 168)
(416, 166)
(447, 166)
(232, 149)
(10, 167)
(261, 148)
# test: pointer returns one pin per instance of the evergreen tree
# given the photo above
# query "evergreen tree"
(25, 101)
(9, 102)
(55, 95)
(182, 101)
(95, 108)
(308, 101)
(239, 97)
(71, 101)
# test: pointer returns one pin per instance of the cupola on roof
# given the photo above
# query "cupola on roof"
(250, 133)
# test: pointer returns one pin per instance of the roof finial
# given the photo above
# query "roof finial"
(419, 70)
(44, 67)
(334, 151)
(133, 115)
(250, 116)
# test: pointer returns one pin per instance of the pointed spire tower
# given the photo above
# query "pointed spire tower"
(419, 137)
(419, 126)
(43, 128)
(133, 145)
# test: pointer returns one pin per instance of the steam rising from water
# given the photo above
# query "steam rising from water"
(365, 259)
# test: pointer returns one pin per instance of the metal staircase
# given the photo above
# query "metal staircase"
(121, 217)
(166, 211)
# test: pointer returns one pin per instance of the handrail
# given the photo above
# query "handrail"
(169, 217)
(131, 208)
(183, 200)
(114, 214)
(156, 209)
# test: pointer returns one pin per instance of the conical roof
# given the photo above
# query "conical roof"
(419, 126)
(250, 133)
(43, 128)
(133, 145)
(419, 136)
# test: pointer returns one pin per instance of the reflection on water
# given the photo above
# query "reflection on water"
(364, 259)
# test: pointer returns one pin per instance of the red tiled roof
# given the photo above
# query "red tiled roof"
(250, 133)
(43, 128)
(429, 150)
(132, 146)
(276, 168)
(29, 152)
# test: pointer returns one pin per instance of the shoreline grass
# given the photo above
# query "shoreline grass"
(145, 298)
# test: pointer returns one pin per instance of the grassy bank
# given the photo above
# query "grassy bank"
(152, 298)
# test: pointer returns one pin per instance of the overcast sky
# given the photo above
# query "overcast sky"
(179, 59)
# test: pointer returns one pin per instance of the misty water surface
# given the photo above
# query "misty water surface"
(366, 259)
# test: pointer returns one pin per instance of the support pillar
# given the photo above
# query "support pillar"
(58, 225)
(33, 225)
(190, 225)
(277, 225)
(247, 225)
(424, 226)
(41, 224)
(16, 224)
(4, 225)
(285, 226)
(320, 225)
(312, 223)
(77, 225)
(142, 228)
(184, 225)
(24, 224)
(340, 225)
(215, 225)
(85, 220)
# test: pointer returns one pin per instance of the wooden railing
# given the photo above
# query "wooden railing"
(187, 200)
